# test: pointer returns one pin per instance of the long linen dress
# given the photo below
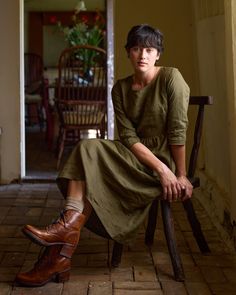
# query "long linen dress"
(118, 186)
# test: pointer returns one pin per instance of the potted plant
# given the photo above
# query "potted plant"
(81, 32)
(85, 31)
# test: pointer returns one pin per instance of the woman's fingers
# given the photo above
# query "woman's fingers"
(164, 193)
(179, 190)
(175, 192)
(187, 193)
(171, 192)
(186, 188)
(170, 185)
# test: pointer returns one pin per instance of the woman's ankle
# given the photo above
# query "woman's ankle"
(74, 204)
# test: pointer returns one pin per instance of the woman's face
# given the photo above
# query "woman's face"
(143, 58)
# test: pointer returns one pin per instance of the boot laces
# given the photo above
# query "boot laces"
(61, 220)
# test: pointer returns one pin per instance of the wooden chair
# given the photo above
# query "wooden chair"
(95, 225)
(34, 89)
(80, 94)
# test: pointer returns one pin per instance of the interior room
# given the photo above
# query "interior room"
(199, 40)
(45, 27)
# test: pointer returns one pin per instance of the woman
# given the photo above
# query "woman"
(120, 179)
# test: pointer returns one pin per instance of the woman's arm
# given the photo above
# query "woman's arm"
(170, 184)
(178, 98)
(178, 154)
(128, 136)
(126, 131)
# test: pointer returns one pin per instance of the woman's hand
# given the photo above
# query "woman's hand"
(186, 187)
(171, 186)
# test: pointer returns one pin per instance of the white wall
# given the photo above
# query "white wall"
(10, 90)
(212, 70)
(215, 27)
(230, 35)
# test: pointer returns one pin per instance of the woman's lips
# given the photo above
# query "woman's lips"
(142, 63)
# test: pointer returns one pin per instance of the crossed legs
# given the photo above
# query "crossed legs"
(60, 239)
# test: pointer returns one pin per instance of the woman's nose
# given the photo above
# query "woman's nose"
(142, 53)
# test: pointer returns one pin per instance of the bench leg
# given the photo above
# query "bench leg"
(116, 254)
(196, 227)
(171, 241)
(152, 221)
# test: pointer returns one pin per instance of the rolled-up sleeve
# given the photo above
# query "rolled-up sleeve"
(126, 130)
(178, 97)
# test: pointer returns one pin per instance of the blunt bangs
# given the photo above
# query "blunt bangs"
(145, 41)
(145, 36)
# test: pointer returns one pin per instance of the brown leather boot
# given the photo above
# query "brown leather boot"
(51, 266)
(65, 231)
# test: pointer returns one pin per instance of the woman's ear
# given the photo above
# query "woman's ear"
(157, 59)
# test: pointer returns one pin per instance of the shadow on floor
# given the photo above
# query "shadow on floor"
(40, 160)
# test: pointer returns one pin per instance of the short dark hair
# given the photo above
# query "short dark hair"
(145, 36)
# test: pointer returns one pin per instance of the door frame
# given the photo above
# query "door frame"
(110, 66)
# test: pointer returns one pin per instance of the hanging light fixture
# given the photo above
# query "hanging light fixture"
(80, 6)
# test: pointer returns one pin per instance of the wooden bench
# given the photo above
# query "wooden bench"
(96, 226)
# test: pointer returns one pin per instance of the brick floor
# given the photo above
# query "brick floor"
(143, 270)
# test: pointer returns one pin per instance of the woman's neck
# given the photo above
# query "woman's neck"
(140, 80)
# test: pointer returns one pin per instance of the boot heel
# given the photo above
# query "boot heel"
(63, 277)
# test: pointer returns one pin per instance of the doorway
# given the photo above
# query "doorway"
(40, 157)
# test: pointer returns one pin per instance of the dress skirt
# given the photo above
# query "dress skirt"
(119, 187)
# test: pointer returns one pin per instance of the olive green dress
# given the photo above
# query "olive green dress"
(118, 186)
